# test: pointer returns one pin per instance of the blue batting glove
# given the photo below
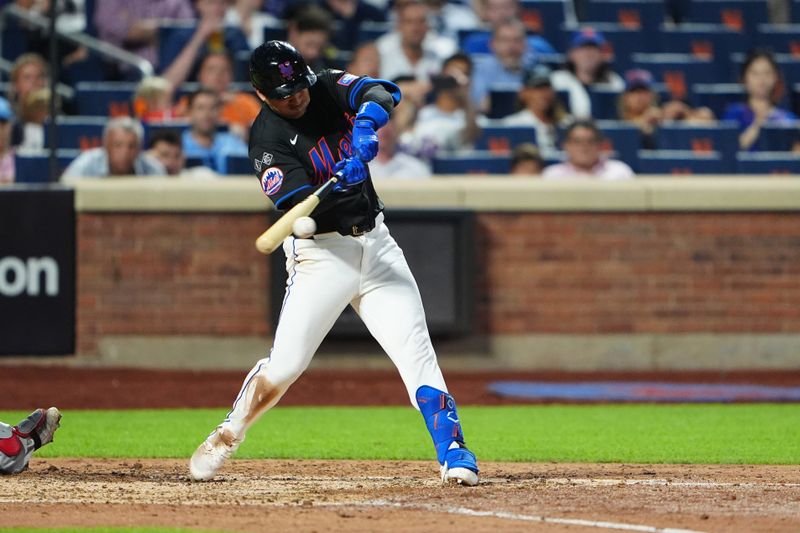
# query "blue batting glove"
(371, 116)
(353, 172)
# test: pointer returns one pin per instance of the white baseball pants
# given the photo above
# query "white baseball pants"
(325, 274)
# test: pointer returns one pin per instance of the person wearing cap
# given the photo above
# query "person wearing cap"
(541, 109)
(638, 105)
(585, 160)
(526, 160)
(587, 66)
(7, 167)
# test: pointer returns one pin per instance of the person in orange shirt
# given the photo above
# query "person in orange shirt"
(239, 109)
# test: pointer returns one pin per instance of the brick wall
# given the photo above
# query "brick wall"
(199, 274)
(169, 274)
(639, 273)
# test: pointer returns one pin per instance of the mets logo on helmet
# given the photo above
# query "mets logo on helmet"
(271, 180)
(287, 71)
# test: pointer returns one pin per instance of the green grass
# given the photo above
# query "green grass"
(692, 433)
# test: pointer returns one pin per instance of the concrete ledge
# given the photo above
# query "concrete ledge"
(504, 352)
(484, 193)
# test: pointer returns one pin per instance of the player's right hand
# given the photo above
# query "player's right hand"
(353, 171)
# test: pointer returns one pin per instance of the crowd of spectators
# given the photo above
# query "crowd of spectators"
(449, 59)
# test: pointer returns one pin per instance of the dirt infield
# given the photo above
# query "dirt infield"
(403, 496)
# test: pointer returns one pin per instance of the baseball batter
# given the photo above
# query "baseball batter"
(17, 443)
(310, 127)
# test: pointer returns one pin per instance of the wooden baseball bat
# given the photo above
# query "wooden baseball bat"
(269, 241)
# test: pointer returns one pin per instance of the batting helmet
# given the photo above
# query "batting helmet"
(278, 70)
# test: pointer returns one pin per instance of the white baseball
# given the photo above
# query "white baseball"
(304, 227)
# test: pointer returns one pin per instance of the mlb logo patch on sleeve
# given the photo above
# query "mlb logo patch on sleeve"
(271, 180)
(347, 79)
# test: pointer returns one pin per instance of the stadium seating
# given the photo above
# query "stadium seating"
(104, 99)
(499, 139)
(647, 15)
(716, 96)
(621, 41)
(237, 164)
(371, 30)
(605, 103)
(679, 71)
(472, 163)
(780, 38)
(35, 168)
(80, 132)
(152, 127)
(789, 66)
(779, 137)
(679, 162)
(715, 41)
(545, 17)
(768, 163)
(741, 15)
(722, 138)
(622, 139)
(502, 102)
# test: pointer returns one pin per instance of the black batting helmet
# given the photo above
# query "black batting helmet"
(278, 70)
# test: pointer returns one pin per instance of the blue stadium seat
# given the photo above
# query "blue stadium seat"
(152, 127)
(780, 38)
(502, 102)
(605, 103)
(104, 98)
(621, 41)
(646, 15)
(716, 96)
(741, 15)
(238, 165)
(499, 139)
(679, 71)
(722, 137)
(768, 163)
(779, 137)
(472, 163)
(36, 168)
(795, 97)
(679, 162)
(371, 30)
(623, 139)
(80, 132)
(704, 40)
(545, 17)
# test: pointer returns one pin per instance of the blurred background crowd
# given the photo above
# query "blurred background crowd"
(544, 88)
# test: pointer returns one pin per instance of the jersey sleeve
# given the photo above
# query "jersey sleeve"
(283, 179)
(348, 89)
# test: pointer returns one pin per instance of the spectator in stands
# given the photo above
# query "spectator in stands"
(202, 140)
(349, 15)
(582, 143)
(510, 58)
(133, 25)
(366, 61)
(152, 101)
(184, 47)
(33, 112)
(587, 65)
(308, 28)
(7, 172)
(390, 162)
(28, 73)
(415, 96)
(247, 15)
(495, 12)
(166, 147)
(70, 18)
(541, 109)
(526, 160)
(445, 126)
(412, 49)
(448, 18)
(638, 105)
(239, 109)
(763, 83)
(120, 155)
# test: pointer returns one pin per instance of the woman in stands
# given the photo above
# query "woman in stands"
(764, 85)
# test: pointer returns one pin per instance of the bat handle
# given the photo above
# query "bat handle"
(323, 191)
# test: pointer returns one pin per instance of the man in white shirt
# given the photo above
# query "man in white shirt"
(389, 163)
(584, 159)
(412, 49)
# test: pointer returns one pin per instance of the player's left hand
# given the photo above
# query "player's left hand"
(353, 171)
(370, 117)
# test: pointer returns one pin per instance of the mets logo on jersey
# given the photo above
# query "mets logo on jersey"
(347, 79)
(271, 180)
(286, 70)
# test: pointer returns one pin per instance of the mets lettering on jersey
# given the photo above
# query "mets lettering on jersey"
(271, 180)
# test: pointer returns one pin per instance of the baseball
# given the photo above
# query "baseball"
(304, 227)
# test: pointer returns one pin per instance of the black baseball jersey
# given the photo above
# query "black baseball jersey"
(292, 157)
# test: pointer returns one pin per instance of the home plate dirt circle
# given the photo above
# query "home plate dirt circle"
(273, 495)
